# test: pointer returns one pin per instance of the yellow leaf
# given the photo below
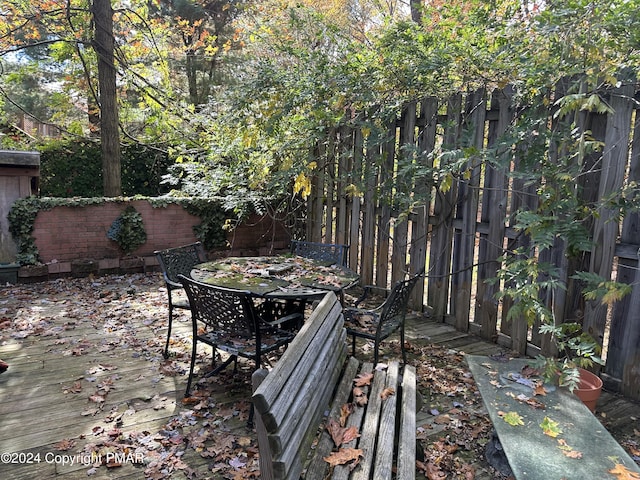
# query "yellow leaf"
(623, 473)
(302, 185)
(512, 418)
(550, 427)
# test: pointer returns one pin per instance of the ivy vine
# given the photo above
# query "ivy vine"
(24, 211)
(127, 230)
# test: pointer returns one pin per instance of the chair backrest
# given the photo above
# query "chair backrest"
(394, 309)
(227, 312)
(327, 252)
(179, 261)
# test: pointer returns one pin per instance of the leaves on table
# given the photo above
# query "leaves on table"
(568, 451)
(512, 418)
(550, 427)
(623, 473)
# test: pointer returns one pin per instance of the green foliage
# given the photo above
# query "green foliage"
(73, 168)
(21, 218)
(127, 230)
(211, 231)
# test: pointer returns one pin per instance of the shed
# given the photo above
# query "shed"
(19, 178)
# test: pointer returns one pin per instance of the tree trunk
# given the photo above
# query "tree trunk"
(109, 131)
(416, 10)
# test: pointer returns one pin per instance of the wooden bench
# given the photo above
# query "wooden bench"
(582, 449)
(314, 377)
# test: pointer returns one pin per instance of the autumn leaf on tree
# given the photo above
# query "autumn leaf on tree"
(623, 473)
(512, 418)
(343, 456)
(550, 427)
(363, 379)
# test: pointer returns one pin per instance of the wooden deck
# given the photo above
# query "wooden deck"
(87, 384)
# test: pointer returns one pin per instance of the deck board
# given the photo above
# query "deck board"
(128, 333)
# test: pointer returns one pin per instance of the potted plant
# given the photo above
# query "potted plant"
(577, 351)
(572, 351)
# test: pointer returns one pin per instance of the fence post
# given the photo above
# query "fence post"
(605, 230)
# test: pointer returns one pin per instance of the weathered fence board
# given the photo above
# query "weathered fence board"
(468, 222)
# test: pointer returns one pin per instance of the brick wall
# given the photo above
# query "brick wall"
(70, 238)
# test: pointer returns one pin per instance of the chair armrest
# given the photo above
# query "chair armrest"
(367, 289)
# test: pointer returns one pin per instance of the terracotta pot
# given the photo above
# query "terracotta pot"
(589, 389)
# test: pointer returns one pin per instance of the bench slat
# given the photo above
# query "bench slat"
(313, 394)
(369, 432)
(321, 317)
(407, 437)
(341, 472)
(318, 467)
(386, 432)
(291, 461)
(310, 368)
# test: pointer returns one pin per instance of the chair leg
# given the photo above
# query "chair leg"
(376, 348)
(165, 354)
(402, 347)
(187, 393)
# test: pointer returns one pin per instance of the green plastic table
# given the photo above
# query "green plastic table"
(582, 450)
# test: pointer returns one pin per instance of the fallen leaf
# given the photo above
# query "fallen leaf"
(539, 389)
(512, 418)
(623, 473)
(550, 427)
(65, 445)
(363, 379)
(387, 392)
(339, 434)
(343, 456)
(345, 411)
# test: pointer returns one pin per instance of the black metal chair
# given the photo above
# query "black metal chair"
(226, 320)
(328, 252)
(174, 262)
(379, 323)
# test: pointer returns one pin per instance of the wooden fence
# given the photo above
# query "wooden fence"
(460, 232)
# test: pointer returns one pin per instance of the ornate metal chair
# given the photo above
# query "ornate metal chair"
(329, 252)
(379, 323)
(174, 262)
(226, 320)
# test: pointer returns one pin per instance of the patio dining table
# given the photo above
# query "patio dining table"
(285, 277)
